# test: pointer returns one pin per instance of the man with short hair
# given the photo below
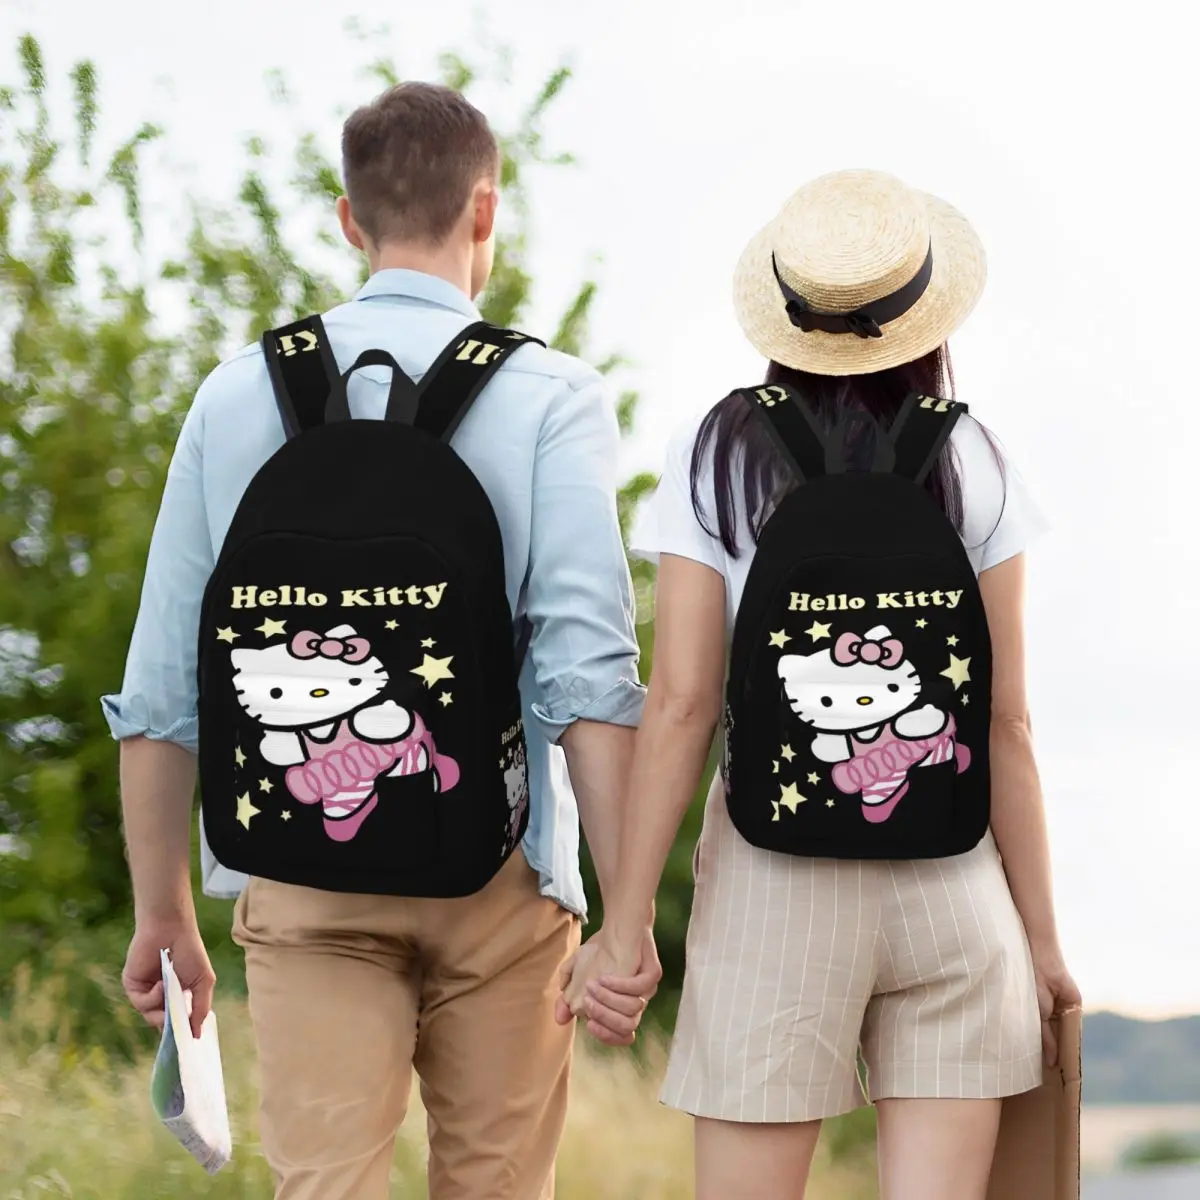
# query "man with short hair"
(348, 992)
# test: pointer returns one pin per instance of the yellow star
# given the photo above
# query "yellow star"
(265, 785)
(965, 698)
(271, 628)
(433, 670)
(789, 797)
(957, 671)
(389, 625)
(446, 699)
(952, 641)
(227, 635)
(774, 766)
(245, 811)
(428, 644)
(828, 803)
(787, 752)
(775, 806)
(286, 815)
(817, 631)
(239, 757)
(780, 639)
(814, 777)
(922, 623)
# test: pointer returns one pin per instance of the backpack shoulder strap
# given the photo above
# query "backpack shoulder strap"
(810, 450)
(303, 371)
(919, 433)
(461, 372)
(449, 388)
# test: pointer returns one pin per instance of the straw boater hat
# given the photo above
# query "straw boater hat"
(858, 273)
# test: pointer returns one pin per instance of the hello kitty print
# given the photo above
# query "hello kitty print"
(867, 719)
(860, 697)
(317, 698)
(516, 785)
(354, 734)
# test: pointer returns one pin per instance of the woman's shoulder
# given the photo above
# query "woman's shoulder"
(684, 434)
(688, 460)
(979, 455)
(667, 521)
(1001, 518)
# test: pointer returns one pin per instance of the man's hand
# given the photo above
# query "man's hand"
(609, 987)
(142, 977)
(157, 782)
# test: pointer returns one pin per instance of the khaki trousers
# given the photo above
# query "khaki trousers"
(348, 993)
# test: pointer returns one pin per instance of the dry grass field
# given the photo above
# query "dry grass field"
(73, 1124)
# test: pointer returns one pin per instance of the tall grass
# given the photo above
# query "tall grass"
(75, 1122)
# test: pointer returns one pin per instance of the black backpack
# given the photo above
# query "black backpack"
(858, 704)
(360, 723)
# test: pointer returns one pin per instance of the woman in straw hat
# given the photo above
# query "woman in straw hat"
(933, 970)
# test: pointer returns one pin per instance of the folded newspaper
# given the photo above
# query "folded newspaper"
(187, 1087)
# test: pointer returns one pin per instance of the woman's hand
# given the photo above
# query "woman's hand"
(610, 986)
(1056, 992)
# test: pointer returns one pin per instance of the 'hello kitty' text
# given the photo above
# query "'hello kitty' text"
(841, 602)
(287, 596)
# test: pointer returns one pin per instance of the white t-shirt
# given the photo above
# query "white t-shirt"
(1000, 518)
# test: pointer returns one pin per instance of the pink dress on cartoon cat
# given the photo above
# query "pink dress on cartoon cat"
(341, 772)
(879, 767)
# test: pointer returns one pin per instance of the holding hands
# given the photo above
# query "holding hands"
(608, 983)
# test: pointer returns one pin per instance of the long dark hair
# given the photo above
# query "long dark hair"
(744, 457)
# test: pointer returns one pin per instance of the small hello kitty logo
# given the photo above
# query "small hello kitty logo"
(316, 697)
(860, 697)
(516, 784)
(726, 745)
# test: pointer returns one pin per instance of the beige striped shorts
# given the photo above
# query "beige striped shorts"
(796, 967)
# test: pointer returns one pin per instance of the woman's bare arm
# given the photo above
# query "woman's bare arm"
(1018, 815)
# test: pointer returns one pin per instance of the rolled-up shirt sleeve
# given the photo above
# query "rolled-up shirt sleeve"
(579, 596)
(158, 695)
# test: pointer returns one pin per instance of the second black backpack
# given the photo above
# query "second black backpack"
(360, 722)
(858, 705)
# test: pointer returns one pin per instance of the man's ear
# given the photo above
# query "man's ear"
(350, 229)
(486, 198)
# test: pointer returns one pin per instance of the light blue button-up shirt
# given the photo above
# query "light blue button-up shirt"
(543, 440)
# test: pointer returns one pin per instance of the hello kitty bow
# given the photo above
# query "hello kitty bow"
(307, 644)
(851, 648)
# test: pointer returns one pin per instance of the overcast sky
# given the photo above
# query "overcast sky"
(1066, 136)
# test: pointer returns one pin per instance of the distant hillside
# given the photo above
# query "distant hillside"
(1140, 1062)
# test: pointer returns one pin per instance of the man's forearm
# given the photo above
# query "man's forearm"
(673, 745)
(598, 759)
(158, 780)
